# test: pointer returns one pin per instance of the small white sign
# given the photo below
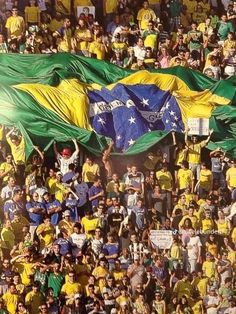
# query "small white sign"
(198, 126)
(161, 239)
(86, 11)
(42, 5)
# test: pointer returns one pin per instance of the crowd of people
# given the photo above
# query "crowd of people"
(129, 33)
(77, 236)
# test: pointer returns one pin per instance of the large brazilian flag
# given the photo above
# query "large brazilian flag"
(64, 96)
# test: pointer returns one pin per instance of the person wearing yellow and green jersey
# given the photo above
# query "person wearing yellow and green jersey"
(150, 36)
(109, 9)
(194, 152)
(145, 15)
(205, 182)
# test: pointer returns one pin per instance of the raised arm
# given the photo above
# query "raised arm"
(76, 146)
(55, 149)
(209, 136)
(41, 154)
(10, 132)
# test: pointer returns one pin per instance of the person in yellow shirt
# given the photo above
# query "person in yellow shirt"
(89, 223)
(70, 288)
(194, 152)
(176, 254)
(223, 225)
(183, 287)
(209, 266)
(24, 265)
(198, 15)
(150, 36)
(90, 171)
(11, 298)
(82, 38)
(191, 5)
(56, 22)
(185, 178)
(100, 273)
(46, 233)
(212, 245)
(207, 224)
(192, 217)
(18, 223)
(34, 299)
(145, 15)
(15, 25)
(59, 189)
(109, 9)
(164, 178)
(7, 238)
(98, 48)
(50, 180)
(7, 169)
(231, 176)
(206, 28)
(229, 43)
(64, 36)
(17, 145)
(200, 283)
(118, 273)
(66, 223)
(204, 185)
(165, 181)
(32, 14)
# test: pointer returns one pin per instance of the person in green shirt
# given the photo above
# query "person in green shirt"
(224, 27)
(56, 280)
(175, 10)
(195, 38)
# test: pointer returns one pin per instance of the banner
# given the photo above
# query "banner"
(161, 239)
(198, 126)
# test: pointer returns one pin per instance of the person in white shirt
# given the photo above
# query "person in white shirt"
(194, 246)
(77, 239)
(211, 302)
(66, 158)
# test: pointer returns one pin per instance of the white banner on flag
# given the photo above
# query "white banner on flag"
(162, 239)
(198, 126)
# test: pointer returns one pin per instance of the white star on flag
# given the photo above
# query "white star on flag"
(174, 124)
(132, 120)
(131, 142)
(176, 118)
(118, 137)
(167, 121)
(100, 120)
(167, 105)
(172, 113)
(144, 102)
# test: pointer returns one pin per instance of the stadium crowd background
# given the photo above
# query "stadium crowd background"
(130, 33)
(75, 231)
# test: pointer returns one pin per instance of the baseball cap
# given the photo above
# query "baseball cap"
(66, 213)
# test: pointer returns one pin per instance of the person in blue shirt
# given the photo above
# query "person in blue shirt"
(71, 204)
(15, 204)
(53, 208)
(96, 192)
(70, 175)
(139, 215)
(64, 242)
(111, 250)
(36, 211)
